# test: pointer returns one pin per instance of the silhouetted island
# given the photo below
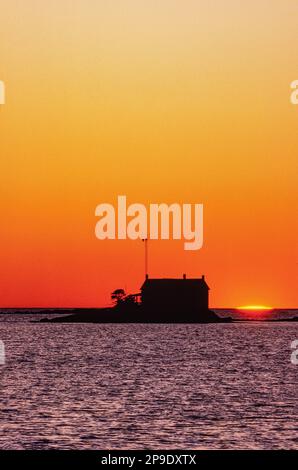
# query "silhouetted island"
(159, 301)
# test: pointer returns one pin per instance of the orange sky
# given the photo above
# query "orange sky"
(168, 101)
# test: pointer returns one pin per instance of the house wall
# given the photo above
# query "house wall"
(180, 299)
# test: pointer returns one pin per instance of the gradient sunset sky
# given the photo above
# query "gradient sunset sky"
(163, 101)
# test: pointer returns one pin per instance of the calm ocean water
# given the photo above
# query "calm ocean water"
(92, 386)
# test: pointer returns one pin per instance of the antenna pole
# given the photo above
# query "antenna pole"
(145, 240)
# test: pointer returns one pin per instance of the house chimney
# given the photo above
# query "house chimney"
(203, 277)
(147, 276)
(184, 276)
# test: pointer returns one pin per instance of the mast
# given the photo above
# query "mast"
(145, 240)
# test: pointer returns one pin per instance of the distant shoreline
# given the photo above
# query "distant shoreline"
(61, 310)
(115, 316)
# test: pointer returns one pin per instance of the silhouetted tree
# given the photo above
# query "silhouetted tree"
(118, 296)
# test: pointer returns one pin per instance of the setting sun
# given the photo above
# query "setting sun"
(254, 307)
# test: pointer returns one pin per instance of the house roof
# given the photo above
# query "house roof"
(174, 283)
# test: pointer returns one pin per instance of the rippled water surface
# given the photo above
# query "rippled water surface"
(91, 386)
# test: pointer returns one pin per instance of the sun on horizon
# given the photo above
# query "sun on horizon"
(255, 307)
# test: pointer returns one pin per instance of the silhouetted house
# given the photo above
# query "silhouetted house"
(160, 301)
(175, 297)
